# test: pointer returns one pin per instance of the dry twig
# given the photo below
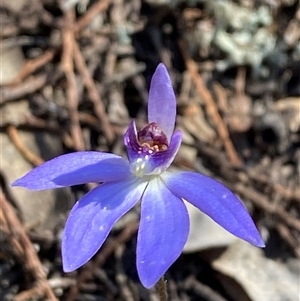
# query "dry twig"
(28, 155)
(286, 235)
(25, 252)
(210, 105)
(202, 290)
(31, 85)
(93, 93)
(121, 275)
(262, 202)
(33, 64)
(98, 7)
(72, 93)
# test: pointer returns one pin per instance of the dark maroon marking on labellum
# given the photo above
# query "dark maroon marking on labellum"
(152, 137)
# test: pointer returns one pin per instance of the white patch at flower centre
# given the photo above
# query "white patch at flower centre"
(140, 167)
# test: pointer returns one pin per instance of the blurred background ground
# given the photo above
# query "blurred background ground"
(73, 74)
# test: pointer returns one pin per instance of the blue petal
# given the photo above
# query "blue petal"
(92, 218)
(162, 101)
(76, 168)
(163, 231)
(216, 201)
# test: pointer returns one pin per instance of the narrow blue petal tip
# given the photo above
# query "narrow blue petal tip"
(15, 183)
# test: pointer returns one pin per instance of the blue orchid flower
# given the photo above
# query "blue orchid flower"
(164, 221)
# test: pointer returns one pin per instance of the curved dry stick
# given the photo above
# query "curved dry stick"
(68, 39)
(93, 93)
(32, 65)
(28, 155)
(98, 7)
(9, 93)
(25, 251)
(211, 107)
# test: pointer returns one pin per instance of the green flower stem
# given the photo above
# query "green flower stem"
(161, 289)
